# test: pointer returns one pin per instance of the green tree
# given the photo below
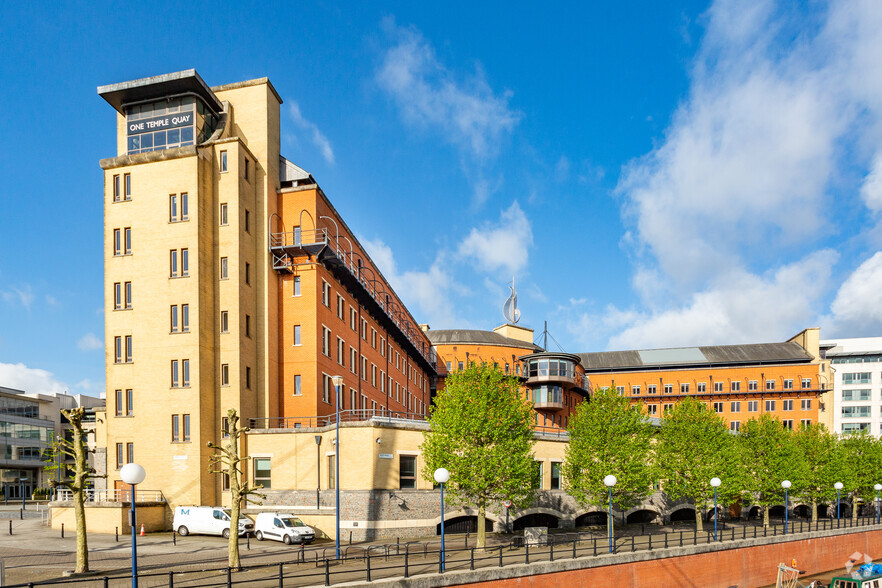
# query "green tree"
(770, 456)
(695, 445)
(227, 462)
(824, 458)
(76, 477)
(608, 436)
(482, 432)
(863, 457)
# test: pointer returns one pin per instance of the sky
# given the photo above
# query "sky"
(650, 174)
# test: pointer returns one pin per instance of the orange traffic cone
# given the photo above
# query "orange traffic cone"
(142, 530)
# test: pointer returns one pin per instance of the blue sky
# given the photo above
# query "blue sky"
(651, 173)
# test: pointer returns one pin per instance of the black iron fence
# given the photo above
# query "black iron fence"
(373, 562)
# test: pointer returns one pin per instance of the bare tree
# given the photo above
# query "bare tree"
(76, 477)
(227, 462)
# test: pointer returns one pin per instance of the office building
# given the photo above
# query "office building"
(857, 384)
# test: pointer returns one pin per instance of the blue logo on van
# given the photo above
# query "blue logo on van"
(184, 512)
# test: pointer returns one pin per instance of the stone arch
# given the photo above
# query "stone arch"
(802, 511)
(592, 518)
(683, 512)
(536, 519)
(642, 515)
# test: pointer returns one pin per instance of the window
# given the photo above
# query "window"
(537, 474)
(856, 378)
(176, 428)
(735, 426)
(364, 370)
(651, 389)
(373, 338)
(247, 174)
(248, 325)
(119, 455)
(806, 383)
(788, 384)
(364, 329)
(652, 409)
(341, 352)
(770, 384)
(635, 390)
(224, 269)
(669, 388)
(127, 234)
(460, 364)
(770, 405)
(620, 390)
(555, 475)
(122, 352)
(701, 387)
(667, 408)
(262, 471)
(787, 423)
(752, 386)
(753, 406)
(296, 334)
(735, 406)
(326, 294)
(127, 180)
(352, 319)
(174, 318)
(127, 289)
(332, 460)
(296, 283)
(117, 296)
(247, 274)
(407, 471)
(247, 221)
(178, 209)
(807, 404)
(735, 386)
(297, 389)
(179, 262)
(116, 195)
(326, 388)
(248, 378)
(225, 374)
(224, 216)
(341, 308)
(223, 161)
(353, 360)
(382, 346)
(805, 423)
(718, 407)
(855, 427)
(122, 241)
(186, 427)
(787, 404)
(225, 321)
(856, 394)
(124, 403)
(855, 411)
(176, 366)
(373, 375)
(130, 452)
(718, 386)
(326, 341)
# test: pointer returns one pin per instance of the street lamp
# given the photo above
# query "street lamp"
(133, 474)
(318, 471)
(715, 482)
(442, 476)
(786, 485)
(609, 482)
(838, 486)
(877, 487)
(338, 383)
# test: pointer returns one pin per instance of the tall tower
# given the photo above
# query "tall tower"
(191, 303)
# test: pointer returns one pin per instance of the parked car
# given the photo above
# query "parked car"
(208, 520)
(282, 527)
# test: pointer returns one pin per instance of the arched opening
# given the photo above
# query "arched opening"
(803, 511)
(641, 516)
(755, 512)
(776, 512)
(592, 519)
(709, 516)
(823, 511)
(463, 525)
(686, 513)
(537, 519)
(844, 510)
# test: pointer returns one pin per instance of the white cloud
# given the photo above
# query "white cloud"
(503, 246)
(871, 190)
(466, 112)
(89, 342)
(23, 295)
(318, 138)
(31, 380)
(856, 311)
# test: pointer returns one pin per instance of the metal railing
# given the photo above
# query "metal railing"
(113, 495)
(368, 563)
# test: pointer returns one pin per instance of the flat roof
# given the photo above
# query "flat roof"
(156, 87)
(758, 353)
(476, 337)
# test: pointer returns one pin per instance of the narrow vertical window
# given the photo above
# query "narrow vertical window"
(175, 377)
(174, 318)
(119, 403)
(248, 378)
(247, 273)
(225, 374)
(225, 321)
(186, 427)
(116, 188)
(117, 296)
(223, 214)
(117, 350)
(128, 240)
(130, 402)
(224, 272)
(130, 450)
(185, 213)
(119, 455)
(223, 161)
(296, 334)
(185, 262)
(297, 390)
(247, 168)
(128, 182)
(185, 369)
(296, 285)
(128, 290)
(185, 317)
(117, 242)
(248, 325)
(128, 349)
(173, 263)
(172, 208)
(247, 221)
(176, 435)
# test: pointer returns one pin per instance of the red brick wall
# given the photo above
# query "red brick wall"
(747, 567)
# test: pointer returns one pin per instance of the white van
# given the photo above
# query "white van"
(282, 527)
(207, 520)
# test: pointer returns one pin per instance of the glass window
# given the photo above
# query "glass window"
(176, 428)
(223, 162)
(224, 272)
(555, 475)
(225, 374)
(185, 365)
(296, 334)
(297, 389)
(185, 262)
(263, 472)
(223, 214)
(128, 289)
(185, 209)
(225, 321)
(735, 386)
(130, 451)
(407, 471)
(297, 286)
(332, 472)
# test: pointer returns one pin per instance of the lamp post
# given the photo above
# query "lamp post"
(442, 476)
(133, 474)
(318, 470)
(786, 485)
(610, 481)
(338, 382)
(838, 486)
(21, 482)
(715, 482)
(877, 487)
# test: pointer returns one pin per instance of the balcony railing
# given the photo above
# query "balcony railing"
(116, 495)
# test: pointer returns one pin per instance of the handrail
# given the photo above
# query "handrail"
(112, 495)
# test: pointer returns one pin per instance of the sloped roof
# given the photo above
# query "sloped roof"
(476, 337)
(787, 352)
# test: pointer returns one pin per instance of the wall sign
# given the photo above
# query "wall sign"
(385, 456)
(158, 123)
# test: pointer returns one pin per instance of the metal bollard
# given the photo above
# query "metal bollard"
(551, 553)
(666, 539)
(171, 580)
(116, 533)
(574, 549)
(472, 562)
(406, 570)
(21, 514)
(398, 546)
(368, 566)
(500, 556)
(248, 541)
(527, 553)
(632, 544)
(650, 542)
(174, 537)
(10, 526)
(62, 530)
(282, 574)
(229, 577)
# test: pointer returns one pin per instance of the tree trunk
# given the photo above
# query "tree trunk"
(854, 509)
(482, 528)
(235, 494)
(79, 489)
(699, 519)
(766, 516)
(814, 511)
